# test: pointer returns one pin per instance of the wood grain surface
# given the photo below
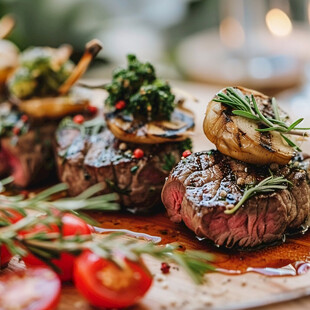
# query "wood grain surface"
(220, 291)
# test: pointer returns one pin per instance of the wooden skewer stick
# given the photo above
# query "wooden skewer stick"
(7, 23)
(91, 50)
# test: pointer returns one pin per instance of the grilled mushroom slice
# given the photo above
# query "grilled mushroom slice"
(54, 107)
(237, 137)
(129, 129)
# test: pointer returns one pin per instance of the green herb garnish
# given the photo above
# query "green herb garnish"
(169, 162)
(267, 185)
(39, 75)
(187, 144)
(134, 169)
(43, 201)
(144, 95)
(4, 182)
(245, 106)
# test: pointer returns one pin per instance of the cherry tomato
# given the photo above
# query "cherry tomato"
(16, 131)
(12, 216)
(25, 193)
(78, 119)
(120, 105)
(31, 289)
(92, 109)
(24, 118)
(186, 153)
(106, 285)
(72, 225)
(138, 153)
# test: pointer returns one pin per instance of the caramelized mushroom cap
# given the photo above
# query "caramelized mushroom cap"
(178, 128)
(236, 136)
(53, 107)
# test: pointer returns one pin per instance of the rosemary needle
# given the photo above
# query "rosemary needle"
(267, 185)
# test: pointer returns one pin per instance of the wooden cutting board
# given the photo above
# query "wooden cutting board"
(220, 291)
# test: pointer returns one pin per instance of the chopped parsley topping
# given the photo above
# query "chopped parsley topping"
(187, 144)
(141, 93)
(169, 162)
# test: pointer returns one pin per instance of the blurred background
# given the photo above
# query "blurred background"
(260, 44)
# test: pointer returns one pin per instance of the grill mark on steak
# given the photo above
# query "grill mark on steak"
(192, 194)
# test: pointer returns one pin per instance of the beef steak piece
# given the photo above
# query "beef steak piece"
(86, 159)
(27, 155)
(200, 187)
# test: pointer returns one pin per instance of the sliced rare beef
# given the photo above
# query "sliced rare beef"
(84, 160)
(200, 187)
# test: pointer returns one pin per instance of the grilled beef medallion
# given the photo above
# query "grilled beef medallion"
(26, 151)
(84, 159)
(200, 187)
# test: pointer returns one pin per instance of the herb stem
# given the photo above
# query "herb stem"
(267, 185)
(275, 109)
(298, 133)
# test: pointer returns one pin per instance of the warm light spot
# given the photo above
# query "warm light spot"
(278, 23)
(231, 33)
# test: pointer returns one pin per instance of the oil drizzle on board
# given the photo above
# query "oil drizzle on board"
(287, 259)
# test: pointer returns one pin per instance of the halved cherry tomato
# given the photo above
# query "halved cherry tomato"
(12, 216)
(106, 285)
(72, 225)
(31, 289)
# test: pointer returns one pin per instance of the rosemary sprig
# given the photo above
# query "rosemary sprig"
(4, 182)
(48, 246)
(267, 185)
(112, 247)
(43, 202)
(245, 106)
